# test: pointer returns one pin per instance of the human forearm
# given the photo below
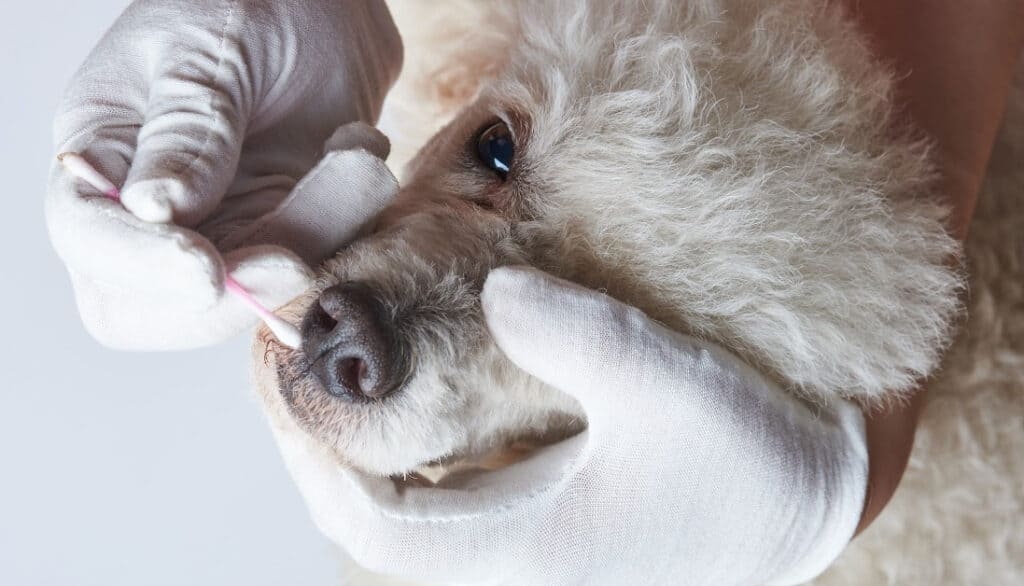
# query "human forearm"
(955, 65)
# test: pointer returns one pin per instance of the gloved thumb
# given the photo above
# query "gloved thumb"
(187, 152)
(577, 340)
(328, 207)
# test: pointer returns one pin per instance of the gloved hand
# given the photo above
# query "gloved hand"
(209, 113)
(694, 469)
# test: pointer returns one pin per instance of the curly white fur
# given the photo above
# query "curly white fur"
(760, 195)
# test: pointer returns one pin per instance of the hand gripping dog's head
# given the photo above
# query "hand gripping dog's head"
(731, 169)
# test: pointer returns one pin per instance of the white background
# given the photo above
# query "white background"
(118, 468)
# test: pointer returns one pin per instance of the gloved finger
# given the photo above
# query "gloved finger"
(103, 243)
(188, 147)
(608, 354)
(118, 317)
(326, 209)
(273, 275)
(356, 136)
(583, 342)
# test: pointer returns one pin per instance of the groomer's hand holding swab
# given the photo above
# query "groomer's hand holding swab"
(207, 115)
(694, 468)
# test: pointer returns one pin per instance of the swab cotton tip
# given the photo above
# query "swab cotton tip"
(79, 167)
(286, 333)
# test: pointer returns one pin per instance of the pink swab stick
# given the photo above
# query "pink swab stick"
(286, 333)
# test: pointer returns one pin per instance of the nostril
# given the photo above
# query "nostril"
(356, 371)
(352, 373)
(317, 329)
(323, 320)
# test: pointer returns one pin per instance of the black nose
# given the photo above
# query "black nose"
(351, 345)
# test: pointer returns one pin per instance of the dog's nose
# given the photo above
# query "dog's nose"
(351, 345)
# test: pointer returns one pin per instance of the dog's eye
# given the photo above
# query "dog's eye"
(496, 149)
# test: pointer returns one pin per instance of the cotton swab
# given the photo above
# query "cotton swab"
(286, 333)
(81, 168)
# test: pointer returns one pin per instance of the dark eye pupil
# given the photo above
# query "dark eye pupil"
(496, 149)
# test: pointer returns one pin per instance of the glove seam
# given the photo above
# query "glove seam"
(572, 470)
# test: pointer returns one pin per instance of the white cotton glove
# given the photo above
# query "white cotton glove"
(694, 469)
(209, 113)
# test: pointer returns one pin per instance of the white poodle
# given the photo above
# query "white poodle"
(730, 167)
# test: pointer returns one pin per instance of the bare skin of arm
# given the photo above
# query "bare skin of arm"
(957, 61)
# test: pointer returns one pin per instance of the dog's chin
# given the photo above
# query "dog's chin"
(384, 437)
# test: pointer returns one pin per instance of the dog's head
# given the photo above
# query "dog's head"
(661, 154)
(397, 369)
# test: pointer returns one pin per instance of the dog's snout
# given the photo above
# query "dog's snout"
(351, 345)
